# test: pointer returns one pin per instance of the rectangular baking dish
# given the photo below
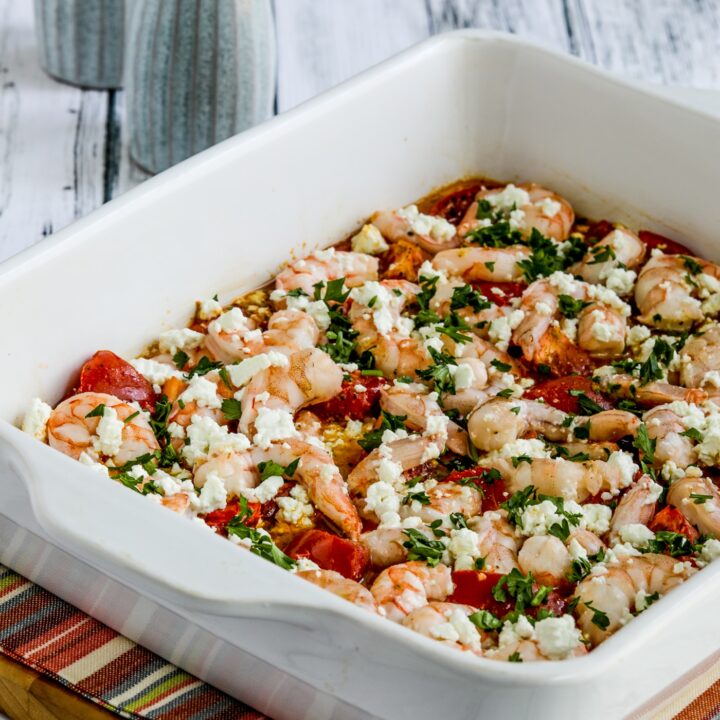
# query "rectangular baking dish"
(459, 104)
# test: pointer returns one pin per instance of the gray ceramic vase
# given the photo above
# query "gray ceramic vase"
(81, 41)
(198, 72)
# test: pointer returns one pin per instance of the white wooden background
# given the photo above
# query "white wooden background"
(63, 150)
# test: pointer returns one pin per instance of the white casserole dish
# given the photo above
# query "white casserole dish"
(459, 104)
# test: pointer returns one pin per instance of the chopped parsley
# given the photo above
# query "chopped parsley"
(261, 543)
(570, 307)
(466, 296)
(271, 469)
(97, 411)
(388, 421)
(181, 358)
(587, 405)
(204, 366)
(485, 620)
(421, 548)
(599, 618)
(231, 408)
(439, 373)
(522, 589)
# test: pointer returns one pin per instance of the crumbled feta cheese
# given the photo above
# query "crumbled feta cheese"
(564, 283)
(390, 472)
(711, 379)
(548, 207)
(600, 330)
(108, 440)
(538, 519)
(514, 632)
(710, 550)
(354, 428)
(569, 327)
(557, 637)
(507, 198)
(533, 448)
(382, 498)
(90, 462)
(432, 226)
(273, 424)
(621, 469)
(296, 509)
(154, 372)
(369, 240)
(641, 600)
(597, 518)
(637, 534)
(637, 335)
(501, 328)
(213, 495)
(619, 280)
(463, 547)
(243, 372)
(385, 306)
(171, 341)
(36, 418)
(207, 309)
(201, 391)
(436, 425)
(316, 309)
(230, 321)
(463, 374)
(206, 436)
(265, 491)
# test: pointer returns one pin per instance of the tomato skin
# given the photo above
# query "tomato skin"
(556, 393)
(670, 518)
(501, 293)
(219, 519)
(105, 372)
(330, 552)
(494, 492)
(474, 587)
(598, 230)
(453, 205)
(668, 246)
(351, 404)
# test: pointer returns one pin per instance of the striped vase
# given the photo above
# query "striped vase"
(81, 41)
(198, 72)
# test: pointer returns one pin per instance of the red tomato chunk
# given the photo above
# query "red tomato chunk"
(557, 393)
(352, 403)
(672, 520)
(494, 491)
(330, 552)
(669, 247)
(501, 293)
(105, 372)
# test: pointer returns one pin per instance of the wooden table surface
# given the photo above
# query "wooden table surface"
(63, 151)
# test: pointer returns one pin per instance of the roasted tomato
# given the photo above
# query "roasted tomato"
(105, 372)
(561, 356)
(351, 403)
(557, 393)
(670, 247)
(219, 519)
(501, 293)
(330, 552)
(453, 205)
(493, 488)
(474, 587)
(598, 230)
(402, 261)
(672, 520)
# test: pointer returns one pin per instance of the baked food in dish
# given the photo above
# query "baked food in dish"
(478, 417)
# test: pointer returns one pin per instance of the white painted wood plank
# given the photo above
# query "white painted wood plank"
(51, 140)
(323, 42)
(664, 41)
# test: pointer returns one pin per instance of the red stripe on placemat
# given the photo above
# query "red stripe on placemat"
(47, 643)
(88, 638)
(108, 677)
(703, 707)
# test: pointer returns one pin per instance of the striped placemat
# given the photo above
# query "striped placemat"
(59, 641)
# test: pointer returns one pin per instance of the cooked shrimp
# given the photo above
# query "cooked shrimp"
(527, 206)
(497, 541)
(325, 265)
(341, 586)
(418, 410)
(602, 326)
(567, 479)
(546, 557)
(448, 623)
(666, 428)
(650, 394)
(622, 249)
(233, 336)
(115, 438)
(704, 515)
(311, 377)
(614, 592)
(400, 589)
(552, 638)
(430, 232)
(500, 421)
(288, 331)
(666, 291)
(700, 358)
(636, 506)
(316, 472)
(587, 540)
(443, 499)
(406, 453)
(483, 263)
(386, 545)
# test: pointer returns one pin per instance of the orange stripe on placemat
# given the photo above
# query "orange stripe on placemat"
(44, 645)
